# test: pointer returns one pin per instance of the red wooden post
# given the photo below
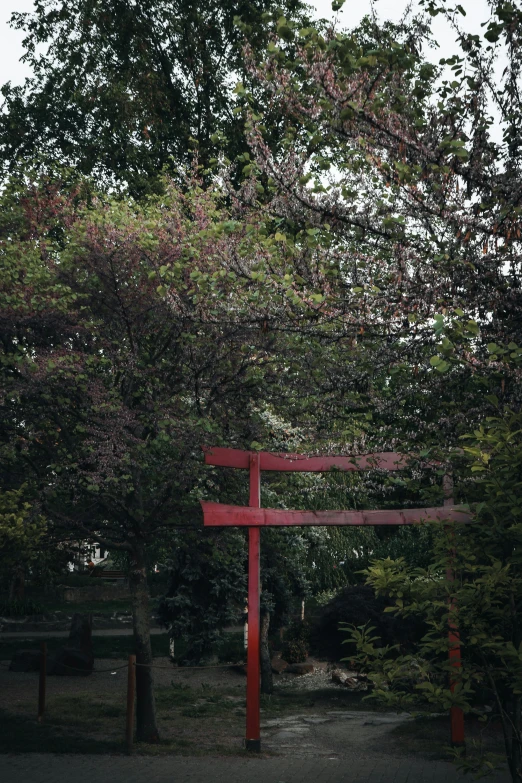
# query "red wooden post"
(456, 713)
(253, 732)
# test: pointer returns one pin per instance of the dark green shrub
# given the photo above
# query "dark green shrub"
(357, 605)
(295, 651)
(20, 608)
(298, 630)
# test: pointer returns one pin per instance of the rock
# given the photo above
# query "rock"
(351, 680)
(25, 661)
(72, 662)
(339, 676)
(80, 635)
(76, 659)
(300, 668)
(278, 664)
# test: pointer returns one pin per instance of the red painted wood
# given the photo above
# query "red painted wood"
(227, 458)
(220, 514)
(254, 500)
(236, 458)
(253, 731)
(456, 713)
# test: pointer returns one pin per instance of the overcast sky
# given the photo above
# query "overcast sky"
(11, 69)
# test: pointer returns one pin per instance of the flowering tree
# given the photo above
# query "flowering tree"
(127, 350)
(402, 198)
(397, 202)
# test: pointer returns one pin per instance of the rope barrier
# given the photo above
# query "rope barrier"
(93, 671)
(184, 668)
(76, 669)
(148, 665)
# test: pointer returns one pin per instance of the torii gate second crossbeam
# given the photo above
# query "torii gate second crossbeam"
(254, 517)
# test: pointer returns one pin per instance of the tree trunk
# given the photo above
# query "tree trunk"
(513, 709)
(267, 682)
(146, 727)
(17, 584)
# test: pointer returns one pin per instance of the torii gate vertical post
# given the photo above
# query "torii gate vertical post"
(456, 713)
(253, 730)
(254, 517)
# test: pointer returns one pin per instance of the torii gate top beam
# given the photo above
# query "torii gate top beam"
(219, 514)
(237, 458)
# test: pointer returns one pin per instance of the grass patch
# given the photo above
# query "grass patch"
(191, 721)
(198, 721)
(429, 736)
(21, 734)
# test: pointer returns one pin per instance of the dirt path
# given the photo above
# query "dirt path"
(332, 734)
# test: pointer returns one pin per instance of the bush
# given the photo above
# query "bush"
(357, 605)
(298, 630)
(295, 651)
(297, 642)
(20, 608)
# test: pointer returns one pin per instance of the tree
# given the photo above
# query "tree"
(21, 530)
(484, 558)
(120, 362)
(398, 206)
(122, 90)
(207, 588)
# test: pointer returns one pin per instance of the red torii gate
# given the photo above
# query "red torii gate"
(254, 517)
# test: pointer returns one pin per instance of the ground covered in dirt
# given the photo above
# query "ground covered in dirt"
(202, 711)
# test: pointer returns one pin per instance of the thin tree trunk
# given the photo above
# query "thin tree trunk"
(267, 682)
(513, 709)
(17, 584)
(146, 727)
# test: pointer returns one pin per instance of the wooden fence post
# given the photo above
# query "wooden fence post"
(41, 681)
(131, 690)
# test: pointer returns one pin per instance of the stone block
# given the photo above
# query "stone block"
(278, 664)
(25, 661)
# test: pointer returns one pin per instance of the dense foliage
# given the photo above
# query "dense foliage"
(122, 90)
(353, 286)
(475, 581)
